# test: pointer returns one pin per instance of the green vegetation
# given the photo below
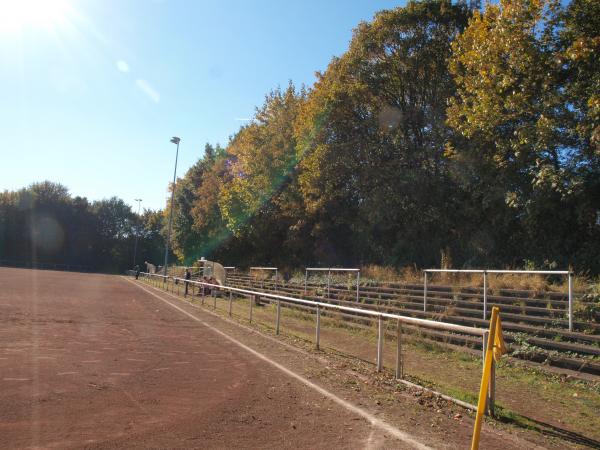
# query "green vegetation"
(45, 224)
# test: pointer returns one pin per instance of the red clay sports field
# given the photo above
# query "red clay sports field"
(98, 361)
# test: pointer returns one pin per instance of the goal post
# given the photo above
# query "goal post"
(485, 272)
(275, 269)
(329, 270)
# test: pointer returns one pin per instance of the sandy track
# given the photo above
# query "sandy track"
(93, 361)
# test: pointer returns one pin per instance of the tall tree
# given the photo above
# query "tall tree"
(258, 200)
(518, 115)
(372, 140)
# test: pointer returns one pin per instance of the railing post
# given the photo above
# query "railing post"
(425, 291)
(492, 390)
(305, 280)
(380, 344)
(252, 297)
(399, 362)
(214, 294)
(357, 286)
(203, 293)
(328, 281)
(485, 337)
(230, 302)
(484, 294)
(278, 317)
(570, 301)
(484, 344)
(318, 331)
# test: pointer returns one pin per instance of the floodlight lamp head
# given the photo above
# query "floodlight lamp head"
(175, 140)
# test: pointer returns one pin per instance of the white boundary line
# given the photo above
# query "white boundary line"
(374, 421)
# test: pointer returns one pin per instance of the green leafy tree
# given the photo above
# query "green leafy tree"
(525, 151)
(259, 201)
(372, 136)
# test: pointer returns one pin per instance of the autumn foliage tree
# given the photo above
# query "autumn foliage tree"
(445, 130)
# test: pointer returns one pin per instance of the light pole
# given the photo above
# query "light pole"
(175, 140)
(139, 200)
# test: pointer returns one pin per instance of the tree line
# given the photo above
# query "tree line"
(445, 132)
(43, 223)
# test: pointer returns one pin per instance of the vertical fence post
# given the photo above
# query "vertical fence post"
(486, 336)
(357, 285)
(328, 281)
(203, 293)
(230, 302)
(425, 291)
(278, 317)
(214, 293)
(484, 344)
(318, 331)
(484, 294)
(380, 344)
(276, 278)
(570, 301)
(305, 280)
(399, 362)
(252, 297)
(492, 390)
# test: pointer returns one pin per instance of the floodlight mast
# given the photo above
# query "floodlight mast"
(139, 200)
(175, 140)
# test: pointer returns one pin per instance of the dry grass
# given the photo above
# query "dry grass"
(408, 274)
(496, 282)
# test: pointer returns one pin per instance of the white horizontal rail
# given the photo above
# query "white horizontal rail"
(540, 272)
(367, 312)
(533, 272)
(455, 270)
(263, 268)
(331, 269)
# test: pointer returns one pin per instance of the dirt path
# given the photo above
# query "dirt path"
(93, 361)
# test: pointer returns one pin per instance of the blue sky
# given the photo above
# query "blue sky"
(92, 90)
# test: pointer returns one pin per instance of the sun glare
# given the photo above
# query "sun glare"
(17, 15)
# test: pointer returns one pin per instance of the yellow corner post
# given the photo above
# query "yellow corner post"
(494, 350)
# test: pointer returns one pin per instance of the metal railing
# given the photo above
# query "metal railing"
(329, 270)
(319, 306)
(485, 273)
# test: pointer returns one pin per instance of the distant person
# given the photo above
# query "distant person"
(188, 276)
(137, 271)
